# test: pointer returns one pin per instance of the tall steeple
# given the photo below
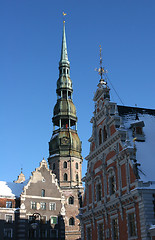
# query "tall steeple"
(65, 158)
(65, 141)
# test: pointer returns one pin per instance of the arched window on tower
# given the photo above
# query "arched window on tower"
(65, 164)
(76, 165)
(71, 221)
(104, 134)
(77, 177)
(65, 177)
(71, 200)
(100, 136)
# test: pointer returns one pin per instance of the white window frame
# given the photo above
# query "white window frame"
(43, 205)
(50, 204)
(33, 203)
(11, 218)
(9, 203)
(54, 216)
(131, 211)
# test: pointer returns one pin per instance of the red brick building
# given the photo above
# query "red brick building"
(119, 198)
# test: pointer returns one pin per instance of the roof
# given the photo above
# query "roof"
(11, 189)
(145, 154)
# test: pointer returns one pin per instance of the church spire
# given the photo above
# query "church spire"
(64, 55)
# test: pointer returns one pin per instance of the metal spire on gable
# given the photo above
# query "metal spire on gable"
(101, 70)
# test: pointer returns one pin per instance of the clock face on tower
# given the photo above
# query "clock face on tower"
(64, 140)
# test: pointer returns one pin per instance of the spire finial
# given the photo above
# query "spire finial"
(64, 55)
(101, 70)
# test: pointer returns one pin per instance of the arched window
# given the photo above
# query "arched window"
(76, 165)
(98, 192)
(43, 192)
(65, 164)
(77, 177)
(71, 200)
(65, 177)
(100, 136)
(71, 221)
(105, 133)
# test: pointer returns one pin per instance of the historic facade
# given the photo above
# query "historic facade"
(65, 158)
(32, 209)
(119, 197)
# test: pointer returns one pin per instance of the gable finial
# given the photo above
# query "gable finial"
(101, 71)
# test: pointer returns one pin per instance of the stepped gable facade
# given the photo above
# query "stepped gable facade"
(119, 197)
(33, 209)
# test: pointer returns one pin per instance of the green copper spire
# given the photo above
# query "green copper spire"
(64, 55)
(65, 140)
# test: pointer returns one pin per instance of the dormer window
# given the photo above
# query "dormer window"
(137, 130)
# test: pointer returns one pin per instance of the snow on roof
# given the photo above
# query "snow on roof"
(145, 149)
(11, 189)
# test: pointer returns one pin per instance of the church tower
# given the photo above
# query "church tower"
(65, 158)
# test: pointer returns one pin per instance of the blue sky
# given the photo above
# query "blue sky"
(30, 40)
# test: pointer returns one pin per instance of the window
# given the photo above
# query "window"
(115, 228)
(8, 232)
(100, 231)
(89, 233)
(71, 221)
(71, 200)
(104, 134)
(52, 206)
(8, 204)
(65, 164)
(139, 130)
(43, 206)
(33, 205)
(8, 218)
(53, 220)
(64, 70)
(53, 233)
(76, 165)
(43, 192)
(65, 177)
(112, 185)
(100, 136)
(77, 177)
(98, 192)
(132, 225)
